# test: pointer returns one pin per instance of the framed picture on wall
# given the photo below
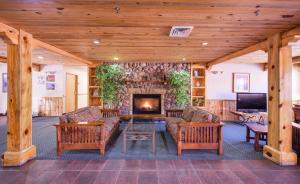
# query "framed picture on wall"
(50, 86)
(4, 82)
(241, 82)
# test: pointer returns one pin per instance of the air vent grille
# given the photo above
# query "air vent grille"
(181, 31)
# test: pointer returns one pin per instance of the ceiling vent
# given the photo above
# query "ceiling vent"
(181, 31)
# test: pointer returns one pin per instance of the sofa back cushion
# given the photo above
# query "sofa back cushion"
(84, 114)
(188, 113)
(201, 115)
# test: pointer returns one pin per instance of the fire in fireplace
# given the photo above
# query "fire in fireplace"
(146, 104)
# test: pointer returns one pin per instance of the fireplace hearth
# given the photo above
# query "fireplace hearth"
(146, 104)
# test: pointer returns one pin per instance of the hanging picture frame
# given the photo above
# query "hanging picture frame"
(4, 83)
(241, 82)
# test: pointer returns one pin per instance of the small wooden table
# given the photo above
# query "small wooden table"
(139, 132)
(260, 134)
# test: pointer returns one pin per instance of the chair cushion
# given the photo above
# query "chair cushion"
(84, 114)
(171, 120)
(188, 113)
(172, 127)
(201, 115)
(109, 124)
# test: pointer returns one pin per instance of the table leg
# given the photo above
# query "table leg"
(256, 142)
(247, 134)
(153, 143)
(124, 143)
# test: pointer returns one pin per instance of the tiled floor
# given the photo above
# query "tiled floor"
(150, 172)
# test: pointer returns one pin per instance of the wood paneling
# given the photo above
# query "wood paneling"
(138, 30)
(222, 108)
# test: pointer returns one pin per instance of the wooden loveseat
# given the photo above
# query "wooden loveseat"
(86, 128)
(194, 128)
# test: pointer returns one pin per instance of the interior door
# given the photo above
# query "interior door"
(71, 92)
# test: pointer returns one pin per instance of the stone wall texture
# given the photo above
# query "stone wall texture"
(148, 75)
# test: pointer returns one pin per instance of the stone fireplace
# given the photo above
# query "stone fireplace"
(146, 104)
(151, 100)
(148, 78)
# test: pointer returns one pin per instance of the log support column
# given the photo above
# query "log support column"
(19, 112)
(279, 147)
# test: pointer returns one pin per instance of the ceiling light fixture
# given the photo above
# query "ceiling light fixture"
(97, 42)
(183, 59)
(204, 43)
(116, 58)
(40, 57)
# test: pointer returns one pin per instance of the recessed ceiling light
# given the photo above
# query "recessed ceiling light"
(40, 57)
(183, 59)
(96, 42)
(116, 58)
(204, 43)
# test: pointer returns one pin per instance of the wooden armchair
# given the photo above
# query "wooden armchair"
(74, 136)
(196, 135)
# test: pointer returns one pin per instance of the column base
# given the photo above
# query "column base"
(19, 158)
(281, 158)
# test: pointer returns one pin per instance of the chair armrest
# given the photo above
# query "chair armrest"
(296, 125)
(200, 124)
(94, 123)
(106, 113)
(174, 113)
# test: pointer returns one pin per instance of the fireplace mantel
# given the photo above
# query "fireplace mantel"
(160, 91)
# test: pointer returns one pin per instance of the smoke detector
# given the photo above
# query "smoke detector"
(181, 31)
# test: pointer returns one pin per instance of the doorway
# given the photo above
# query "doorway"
(71, 92)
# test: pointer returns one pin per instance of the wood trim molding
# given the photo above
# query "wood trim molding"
(10, 35)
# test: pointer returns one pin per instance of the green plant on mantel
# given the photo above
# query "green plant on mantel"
(180, 82)
(109, 77)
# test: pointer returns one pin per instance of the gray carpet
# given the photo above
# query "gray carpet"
(44, 137)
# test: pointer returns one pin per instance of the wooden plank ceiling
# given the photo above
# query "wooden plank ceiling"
(138, 30)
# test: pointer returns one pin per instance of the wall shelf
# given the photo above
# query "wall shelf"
(94, 89)
(197, 85)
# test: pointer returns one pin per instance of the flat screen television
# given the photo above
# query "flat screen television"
(251, 102)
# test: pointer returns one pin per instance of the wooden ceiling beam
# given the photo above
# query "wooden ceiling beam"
(296, 60)
(287, 37)
(252, 48)
(49, 47)
(3, 59)
(10, 35)
(35, 67)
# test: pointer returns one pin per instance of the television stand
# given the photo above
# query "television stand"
(258, 117)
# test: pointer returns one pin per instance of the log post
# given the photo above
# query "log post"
(19, 112)
(279, 146)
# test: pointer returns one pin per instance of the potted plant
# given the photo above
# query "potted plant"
(109, 77)
(180, 82)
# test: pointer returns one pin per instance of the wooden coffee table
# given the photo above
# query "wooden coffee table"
(139, 132)
(260, 134)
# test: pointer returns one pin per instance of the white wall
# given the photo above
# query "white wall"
(219, 86)
(39, 90)
(3, 96)
(296, 83)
